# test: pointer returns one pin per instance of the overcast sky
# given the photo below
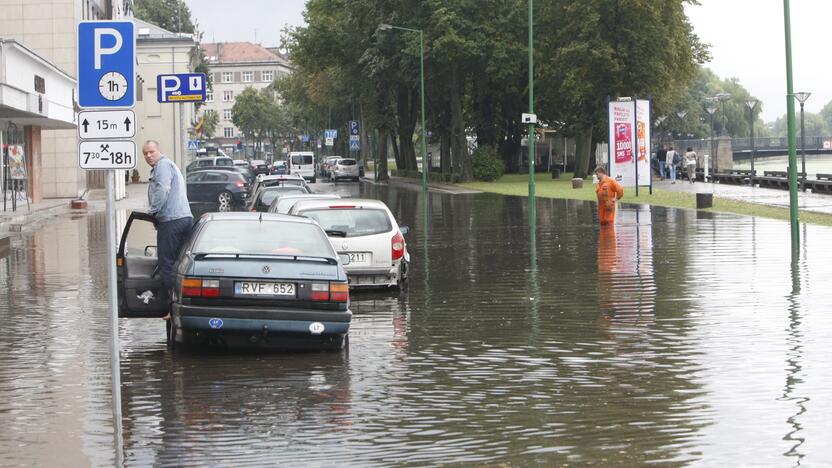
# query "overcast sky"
(746, 36)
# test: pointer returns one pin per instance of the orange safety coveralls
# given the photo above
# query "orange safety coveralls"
(608, 191)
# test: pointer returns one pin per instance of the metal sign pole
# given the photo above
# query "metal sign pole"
(115, 365)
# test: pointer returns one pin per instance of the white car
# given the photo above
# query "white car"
(284, 203)
(344, 168)
(302, 163)
(365, 232)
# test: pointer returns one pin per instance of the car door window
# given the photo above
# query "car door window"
(194, 177)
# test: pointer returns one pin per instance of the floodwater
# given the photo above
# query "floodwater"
(815, 164)
(676, 337)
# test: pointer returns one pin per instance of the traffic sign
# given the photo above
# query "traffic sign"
(304, 138)
(355, 145)
(329, 142)
(115, 124)
(107, 154)
(330, 134)
(193, 145)
(355, 128)
(182, 87)
(106, 64)
(355, 137)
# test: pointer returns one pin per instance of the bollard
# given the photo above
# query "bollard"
(577, 183)
(555, 173)
(707, 158)
(704, 200)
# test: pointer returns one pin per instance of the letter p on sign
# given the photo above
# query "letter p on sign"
(99, 47)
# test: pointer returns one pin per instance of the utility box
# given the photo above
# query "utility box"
(704, 200)
(577, 183)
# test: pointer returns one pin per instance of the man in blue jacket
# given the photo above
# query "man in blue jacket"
(168, 199)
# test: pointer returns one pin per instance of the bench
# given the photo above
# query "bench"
(776, 179)
(739, 177)
(822, 184)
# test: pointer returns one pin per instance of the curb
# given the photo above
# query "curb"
(443, 188)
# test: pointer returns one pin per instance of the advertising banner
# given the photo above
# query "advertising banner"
(643, 141)
(622, 147)
(17, 162)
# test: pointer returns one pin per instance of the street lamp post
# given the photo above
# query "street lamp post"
(752, 103)
(710, 108)
(722, 97)
(387, 27)
(801, 98)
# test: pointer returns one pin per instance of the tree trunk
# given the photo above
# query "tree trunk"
(459, 144)
(445, 152)
(407, 112)
(583, 148)
(382, 154)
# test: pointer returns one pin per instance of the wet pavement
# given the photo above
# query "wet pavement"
(676, 337)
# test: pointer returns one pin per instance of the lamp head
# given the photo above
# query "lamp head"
(802, 96)
(681, 114)
(751, 103)
(384, 27)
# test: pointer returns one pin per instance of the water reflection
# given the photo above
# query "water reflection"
(794, 368)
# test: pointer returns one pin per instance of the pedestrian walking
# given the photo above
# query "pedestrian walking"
(168, 199)
(608, 191)
(661, 156)
(690, 162)
(672, 159)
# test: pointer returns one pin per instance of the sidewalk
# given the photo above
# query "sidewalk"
(432, 186)
(815, 202)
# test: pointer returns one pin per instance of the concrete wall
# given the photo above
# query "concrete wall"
(157, 121)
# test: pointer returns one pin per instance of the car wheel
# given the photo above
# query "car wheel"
(224, 200)
(336, 343)
(404, 270)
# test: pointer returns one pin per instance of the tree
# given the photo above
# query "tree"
(208, 123)
(248, 114)
(172, 15)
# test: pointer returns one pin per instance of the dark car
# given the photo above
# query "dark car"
(279, 168)
(226, 189)
(260, 167)
(245, 171)
(262, 280)
(263, 198)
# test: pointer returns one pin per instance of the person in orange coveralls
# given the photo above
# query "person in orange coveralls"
(608, 191)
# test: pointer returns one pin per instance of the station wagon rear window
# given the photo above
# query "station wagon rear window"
(353, 222)
(299, 159)
(270, 194)
(262, 238)
(346, 162)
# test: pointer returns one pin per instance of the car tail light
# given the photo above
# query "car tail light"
(397, 244)
(339, 292)
(240, 184)
(320, 292)
(191, 287)
(196, 287)
(336, 207)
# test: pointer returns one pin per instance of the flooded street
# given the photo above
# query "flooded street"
(676, 337)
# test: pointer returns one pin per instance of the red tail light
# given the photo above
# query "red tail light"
(196, 287)
(339, 292)
(397, 244)
(320, 292)
(240, 184)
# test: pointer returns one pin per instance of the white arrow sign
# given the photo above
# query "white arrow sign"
(115, 124)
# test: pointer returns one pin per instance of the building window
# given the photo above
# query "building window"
(209, 96)
(228, 132)
(248, 76)
(227, 77)
(268, 76)
(227, 96)
(226, 114)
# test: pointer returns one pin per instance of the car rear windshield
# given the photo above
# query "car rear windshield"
(224, 162)
(299, 159)
(268, 195)
(262, 237)
(346, 162)
(352, 222)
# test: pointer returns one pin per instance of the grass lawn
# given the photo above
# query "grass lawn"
(546, 187)
(391, 165)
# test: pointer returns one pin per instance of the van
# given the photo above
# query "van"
(302, 163)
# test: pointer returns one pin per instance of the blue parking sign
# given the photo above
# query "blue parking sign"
(182, 87)
(355, 128)
(106, 64)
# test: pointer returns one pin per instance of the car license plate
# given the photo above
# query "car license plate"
(256, 288)
(360, 258)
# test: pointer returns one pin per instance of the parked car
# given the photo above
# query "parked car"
(227, 189)
(210, 161)
(262, 199)
(245, 171)
(276, 179)
(365, 231)
(284, 203)
(261, 280)
(344, 168)
(260, 167)
(326, 165)
(242, 163)
(302, 163)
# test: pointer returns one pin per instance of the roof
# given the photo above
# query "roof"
(240, 52)
(149, 31)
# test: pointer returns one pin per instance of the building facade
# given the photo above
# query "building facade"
(234, 67)
(158, 52)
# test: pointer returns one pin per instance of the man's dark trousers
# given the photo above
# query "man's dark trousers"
(169, 238)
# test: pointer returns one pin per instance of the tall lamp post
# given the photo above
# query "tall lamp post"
(722, 97)
(710, 108)
(801, 98)
(387, 27)
(752, 103)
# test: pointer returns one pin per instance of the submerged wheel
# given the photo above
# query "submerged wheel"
(336, 343)
(224, 200)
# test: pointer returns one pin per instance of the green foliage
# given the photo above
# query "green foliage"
(260, 116)
(173, 15)
(486, 164)
(211, 120)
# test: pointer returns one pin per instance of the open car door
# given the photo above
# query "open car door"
(140, 291)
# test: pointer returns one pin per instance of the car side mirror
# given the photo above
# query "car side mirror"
(151, 251)
(404, 230)
(344, 258)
